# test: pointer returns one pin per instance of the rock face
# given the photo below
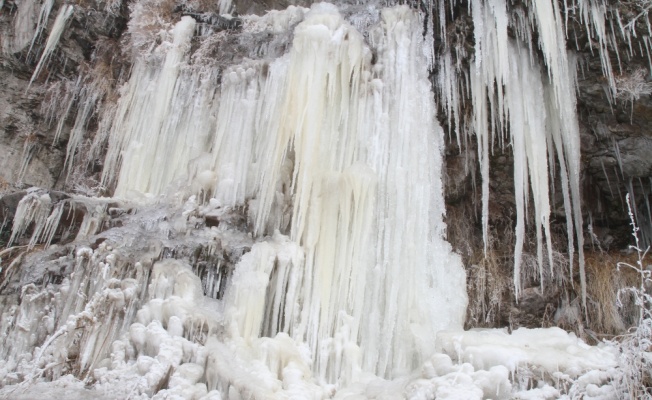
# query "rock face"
(615, 146)
(49, 125)
(23, 154)
(35, 122)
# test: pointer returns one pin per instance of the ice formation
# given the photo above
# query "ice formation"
(24, 30)
(505, 71)
(356, 213)
(276, 228)
(504, 120)
(53, 39)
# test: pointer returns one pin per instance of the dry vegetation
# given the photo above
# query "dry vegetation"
(604, 282)
(490, 283)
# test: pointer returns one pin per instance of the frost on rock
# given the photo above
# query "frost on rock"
(24, 29)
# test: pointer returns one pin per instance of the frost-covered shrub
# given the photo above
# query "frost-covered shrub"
(634, 378)
(148, 23)
(631, 87)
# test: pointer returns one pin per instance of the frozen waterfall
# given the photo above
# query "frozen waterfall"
(276, 226)
(348, 151)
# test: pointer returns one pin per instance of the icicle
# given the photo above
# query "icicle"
(90, 98)
(134, 142)
(449, 91)
(491, 71)
(60, 107)
(232, 156)
(50, 227)
(529, 141)
(43, 17)
(532, 131)
(55, 34)
(604, 172)
(598, 21)
(33, 208)
(29, 147)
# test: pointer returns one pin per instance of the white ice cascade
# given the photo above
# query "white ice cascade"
(506, 72)
(276, 229)
(342, 155)
(142, 115)
(55, 34)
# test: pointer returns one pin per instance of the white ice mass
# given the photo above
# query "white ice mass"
(331, 152)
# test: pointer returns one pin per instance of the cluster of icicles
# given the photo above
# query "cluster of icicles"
(337, 155)
(340, 154)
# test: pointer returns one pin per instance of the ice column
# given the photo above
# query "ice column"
(139, 141)
(378, 280)
(55, 34)
(342, 156)
(504, 82)
(417, 285)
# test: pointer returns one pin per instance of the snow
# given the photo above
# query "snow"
(551, 350)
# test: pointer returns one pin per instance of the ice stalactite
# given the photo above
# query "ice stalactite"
(53, 39)
(450, 85)
(529, 141)
(505, 73)
(35, 208)
(561, 73)
(142, 116)
(337, 142)
(248, 102)
(605, 28)
(81, 99)
(593, 14)
(44, 215)
(44, 14)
